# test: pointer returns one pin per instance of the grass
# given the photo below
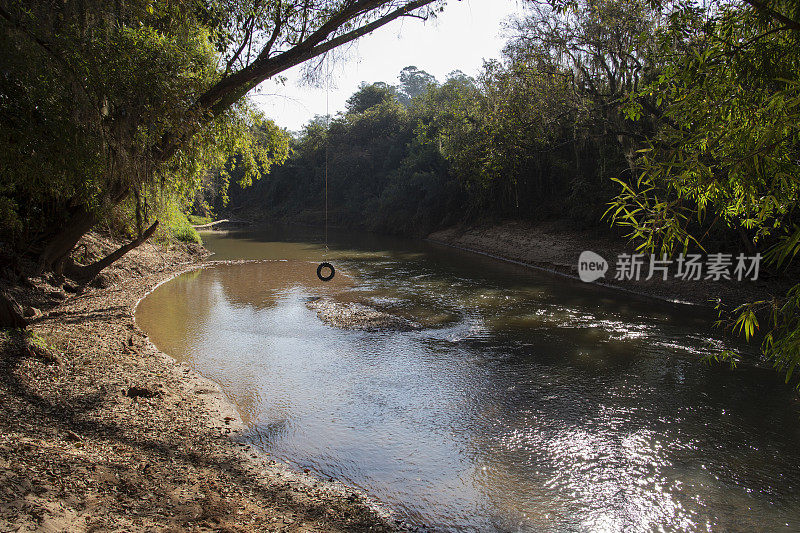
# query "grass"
(180, 228)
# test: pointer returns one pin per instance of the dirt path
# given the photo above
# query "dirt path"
(116, 436)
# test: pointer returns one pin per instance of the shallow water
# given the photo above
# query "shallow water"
(527, 403)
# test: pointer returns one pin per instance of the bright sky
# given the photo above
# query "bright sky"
(468, 32)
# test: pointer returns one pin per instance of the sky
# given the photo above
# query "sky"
(466, 33)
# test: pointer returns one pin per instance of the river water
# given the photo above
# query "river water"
(527, 402)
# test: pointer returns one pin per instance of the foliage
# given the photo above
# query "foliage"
(101, 102)
(413, 82)
(197, 220)
(370, 95)
(538, 134)
(63, 144)
(181, 229)
(726, 150)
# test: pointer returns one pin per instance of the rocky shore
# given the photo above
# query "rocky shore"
(105, 433)
(355, 315)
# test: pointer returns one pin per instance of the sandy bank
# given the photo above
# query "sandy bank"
(116, 436)
(551, 248)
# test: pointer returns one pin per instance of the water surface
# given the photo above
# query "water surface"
(528, 402)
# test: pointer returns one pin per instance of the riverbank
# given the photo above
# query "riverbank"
(107, 433)
(550, 247)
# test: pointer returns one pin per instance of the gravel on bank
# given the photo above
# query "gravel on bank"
(109, 434)
(354, 315)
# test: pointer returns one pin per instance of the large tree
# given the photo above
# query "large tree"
(101, 100)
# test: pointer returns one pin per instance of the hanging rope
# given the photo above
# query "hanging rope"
(327, 139)
(326, 265)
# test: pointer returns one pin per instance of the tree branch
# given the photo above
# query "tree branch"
(412, 15)
(275, 32)
(88, 272)
(766, 10)
(248, 36)
(231, 88)
(369, 28)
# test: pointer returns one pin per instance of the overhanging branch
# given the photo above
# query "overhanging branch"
(217, 99)
(364, 30)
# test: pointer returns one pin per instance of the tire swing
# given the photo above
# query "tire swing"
(325, 265)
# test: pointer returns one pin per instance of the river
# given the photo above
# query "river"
(526, 401)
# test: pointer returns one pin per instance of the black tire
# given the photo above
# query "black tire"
(319, 271)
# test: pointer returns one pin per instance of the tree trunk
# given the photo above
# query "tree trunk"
(57, 250)
(59, 247)
(11, 315)
(85, 274)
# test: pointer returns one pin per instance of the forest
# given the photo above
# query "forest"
(673, 121)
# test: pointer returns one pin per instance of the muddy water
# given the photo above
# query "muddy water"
(526, 403)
